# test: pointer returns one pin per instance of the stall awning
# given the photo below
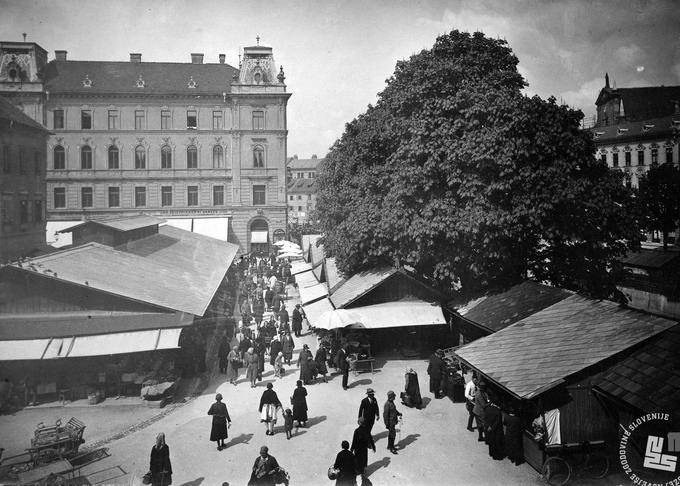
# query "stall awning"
(305, 279)
(312, 293)
(315, 309)
(299, 266)
(259, 237)
(401, 313)
(96, 345)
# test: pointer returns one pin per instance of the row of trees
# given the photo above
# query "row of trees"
(457, 173)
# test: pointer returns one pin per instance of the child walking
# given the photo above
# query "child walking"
(288, 423)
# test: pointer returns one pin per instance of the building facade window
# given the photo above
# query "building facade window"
(218, 157)
(86, 119)
(218, 195)
(165, 119)
(166, 157)
(669, 155)
(655, 156)
(641, 157)
(290, 198)
(217, 120)
(615, 159)
(59, 197)
(23, 211)
(140, 157)
(140, 197)
(259, 192)
(86, 157)
(58, 119)
(310, 175)
(192, 119)
(166, 196)
(258, 157)
(22, 161)
(139, 119)
(114, 197)
(86, 198)
(192, 157)
(258, 120)
(113, 120)
(38, 211)
(114, 157)
(37, 163)
(627, 157)
(603, 158)
(59, 158)
(6, 161)
(192, 195)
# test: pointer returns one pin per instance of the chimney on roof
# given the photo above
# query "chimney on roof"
(196, 58)
(135, 57)
(222, 58)
(295, 157)
(606, 80)
(314, 156)
(60, 55)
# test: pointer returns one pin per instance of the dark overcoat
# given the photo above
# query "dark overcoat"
(220, 417)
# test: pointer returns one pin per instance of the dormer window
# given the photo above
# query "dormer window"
(192, 84)
(647, 127)
(140, 83)
(87, 82)
(621, 131)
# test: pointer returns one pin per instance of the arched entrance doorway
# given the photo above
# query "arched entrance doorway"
(259, 237)
(279, 235)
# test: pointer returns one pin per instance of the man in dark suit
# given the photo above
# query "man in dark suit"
(344, 366)
(391, 417)
(369, 409)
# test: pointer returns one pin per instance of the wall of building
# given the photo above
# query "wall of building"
(22, 191)
(652, 152)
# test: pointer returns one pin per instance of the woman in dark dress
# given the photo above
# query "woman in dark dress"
(219, 422)
(513, 436)
(300, 404)
(320, 359)
(288, 346)
(303, 363)
(159, 465)
(346, 464)
(361, 442)
(494, 430)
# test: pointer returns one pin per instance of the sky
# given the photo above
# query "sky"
(337, 54)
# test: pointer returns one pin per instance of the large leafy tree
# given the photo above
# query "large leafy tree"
(457, 173)
(659, 199)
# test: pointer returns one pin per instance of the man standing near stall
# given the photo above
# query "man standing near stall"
(391, 417)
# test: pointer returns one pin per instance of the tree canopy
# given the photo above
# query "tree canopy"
(458, 174)
(659, 199)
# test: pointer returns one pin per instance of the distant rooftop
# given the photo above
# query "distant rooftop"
(299, 164)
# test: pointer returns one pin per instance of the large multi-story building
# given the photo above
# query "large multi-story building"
(301, 187)
(201, 144)
(22, 183)
(635, 128)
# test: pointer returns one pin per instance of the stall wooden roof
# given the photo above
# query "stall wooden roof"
(540, 351)
(649, 377)
(359, 284)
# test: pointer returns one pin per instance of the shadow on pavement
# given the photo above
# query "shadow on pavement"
(373, 467)
(380, 435)
(241, 439)
(195, 482)
(426, 402)
(315, 421)
(362, 382)
(407, 441)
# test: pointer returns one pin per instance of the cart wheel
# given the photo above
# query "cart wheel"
(556, 471)
(596, 466)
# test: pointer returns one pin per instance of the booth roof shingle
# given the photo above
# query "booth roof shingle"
(359, 284)
(174, 269)
(126, 223)
(649, 377)
(540, 351)
(495, 312)
(649, 258)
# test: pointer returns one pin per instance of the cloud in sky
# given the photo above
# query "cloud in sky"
(337, 54)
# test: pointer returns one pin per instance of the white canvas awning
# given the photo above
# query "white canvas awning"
(97, 345)
(312, 293)
(316, 309)
(214, 227)
(299, 266)
(401, 313)
(306, 279)
(259, 237)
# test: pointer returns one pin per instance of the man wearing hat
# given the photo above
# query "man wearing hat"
(436, 369)
(369, 409)
(391, 417)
